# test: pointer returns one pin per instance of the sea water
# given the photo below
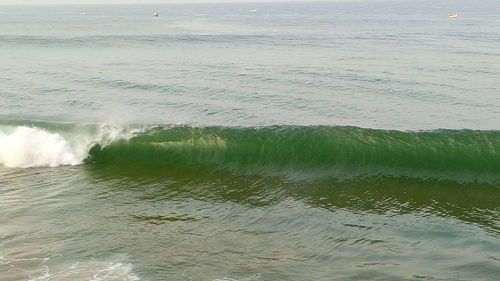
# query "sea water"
(351, 140)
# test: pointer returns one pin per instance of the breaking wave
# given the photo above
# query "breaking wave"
(29, 146)
(336, 151)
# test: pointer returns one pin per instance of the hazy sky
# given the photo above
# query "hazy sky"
(31, 2)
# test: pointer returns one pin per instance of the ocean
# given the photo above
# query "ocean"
(350, 140)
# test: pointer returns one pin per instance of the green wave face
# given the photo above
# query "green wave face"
(319, 151)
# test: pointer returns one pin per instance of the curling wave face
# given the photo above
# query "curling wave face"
(318, 151)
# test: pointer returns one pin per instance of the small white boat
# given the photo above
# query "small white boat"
(253, 11)
(453, 16)
(156, 14)
(83, 13)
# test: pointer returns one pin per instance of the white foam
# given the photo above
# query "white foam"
(24, 147)
(251, 278)
(31, 147)
(91, 271)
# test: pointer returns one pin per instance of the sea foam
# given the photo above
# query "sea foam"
(91, 271)
(24, 147)
(31, 147)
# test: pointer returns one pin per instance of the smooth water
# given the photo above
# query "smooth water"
(355, 140)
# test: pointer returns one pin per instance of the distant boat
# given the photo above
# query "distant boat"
(83, 13)
(453, 16)
(253, 10)
(156, 14)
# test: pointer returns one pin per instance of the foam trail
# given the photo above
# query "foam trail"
(91, 271)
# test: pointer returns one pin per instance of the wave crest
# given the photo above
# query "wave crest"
(318, 151)
(303, 151)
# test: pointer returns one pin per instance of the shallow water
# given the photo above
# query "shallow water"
(305, 141)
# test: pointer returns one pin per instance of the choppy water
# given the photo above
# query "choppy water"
(305, 141)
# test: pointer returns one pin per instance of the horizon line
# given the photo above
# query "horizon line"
(177, 2)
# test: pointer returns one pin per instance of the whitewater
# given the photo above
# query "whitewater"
(24, 147)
